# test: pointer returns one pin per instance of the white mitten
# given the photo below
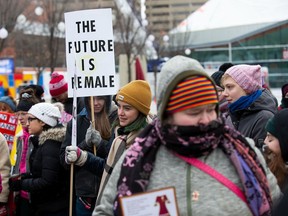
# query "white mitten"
(73, 154)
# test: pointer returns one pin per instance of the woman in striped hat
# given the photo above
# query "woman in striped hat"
(212, 167)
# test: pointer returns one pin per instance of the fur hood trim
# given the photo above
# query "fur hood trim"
(57, 134)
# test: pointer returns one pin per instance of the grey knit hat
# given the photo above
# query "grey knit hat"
(173, 71)
(9, 101)
(46, 112)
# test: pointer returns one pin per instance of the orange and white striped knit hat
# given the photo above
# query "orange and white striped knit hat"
(192, 92)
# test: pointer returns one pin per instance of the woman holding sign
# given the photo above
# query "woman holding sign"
(86, 182)
(212, 167)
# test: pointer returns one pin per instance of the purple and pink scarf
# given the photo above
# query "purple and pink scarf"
(194, 141)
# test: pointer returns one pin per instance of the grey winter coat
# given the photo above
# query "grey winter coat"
(251, 121)
(214, 198)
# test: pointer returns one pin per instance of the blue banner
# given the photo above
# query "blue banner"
(6, 65)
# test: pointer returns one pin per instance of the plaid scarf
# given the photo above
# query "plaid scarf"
(194, 141)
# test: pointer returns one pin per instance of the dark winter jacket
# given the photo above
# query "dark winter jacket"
(284, 103)
(87, 182)
(252, 120)
(48, 184)
(68, 105)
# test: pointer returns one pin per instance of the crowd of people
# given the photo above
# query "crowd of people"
(219, 141)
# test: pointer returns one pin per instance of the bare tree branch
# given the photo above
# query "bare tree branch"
(9, 12)
(131, 35)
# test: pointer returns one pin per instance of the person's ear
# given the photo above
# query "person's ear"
(42, 123)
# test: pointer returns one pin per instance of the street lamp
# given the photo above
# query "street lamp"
(21, 19)
(61, 29)
(145, 22)
(39, 11)
(165, 38)
(3, 33)
(187, 51)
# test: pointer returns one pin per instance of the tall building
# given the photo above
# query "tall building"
(93, 4)
(163, 15)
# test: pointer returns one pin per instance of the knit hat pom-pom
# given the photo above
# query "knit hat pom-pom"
(54, 74)
(57, 85)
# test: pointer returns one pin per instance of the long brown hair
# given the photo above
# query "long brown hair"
(102, 123)
(277, 165)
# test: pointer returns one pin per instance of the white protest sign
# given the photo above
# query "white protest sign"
(152, 203)
(90, 45)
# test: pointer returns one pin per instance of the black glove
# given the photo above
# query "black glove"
(3, 209)
(26, 175)
(15, 185)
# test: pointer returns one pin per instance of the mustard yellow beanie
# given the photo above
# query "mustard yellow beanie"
(137, 93)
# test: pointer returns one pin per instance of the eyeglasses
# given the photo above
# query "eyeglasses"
(31, 119)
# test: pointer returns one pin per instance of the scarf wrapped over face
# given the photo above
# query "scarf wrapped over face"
(194, 141)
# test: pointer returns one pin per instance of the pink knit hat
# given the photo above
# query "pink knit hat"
(248, 77)
(57, 84)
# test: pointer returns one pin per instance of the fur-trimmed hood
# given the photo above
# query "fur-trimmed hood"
(57, 134)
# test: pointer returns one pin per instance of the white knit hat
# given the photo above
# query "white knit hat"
(46, 112)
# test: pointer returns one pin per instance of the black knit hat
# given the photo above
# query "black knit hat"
(217, 77)
(25, 102)
(29, 96)
(225, 66)
(38, 91)
(278, 127)
(24, 105)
